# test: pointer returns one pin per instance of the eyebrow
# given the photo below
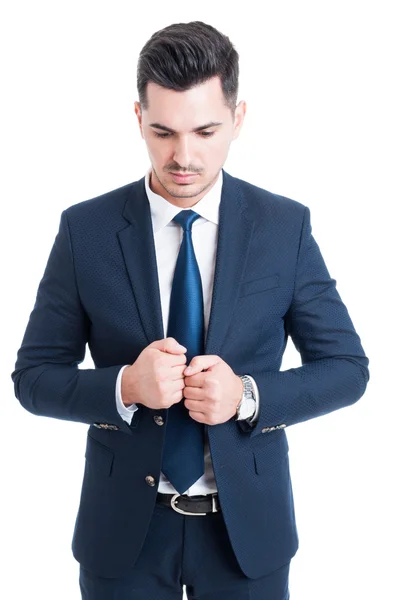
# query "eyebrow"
(200, 128)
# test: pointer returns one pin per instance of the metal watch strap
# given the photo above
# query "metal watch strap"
(247, 393)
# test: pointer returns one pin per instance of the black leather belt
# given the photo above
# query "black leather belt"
(190, 505)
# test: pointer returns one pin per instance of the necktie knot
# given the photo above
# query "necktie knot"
(186, 218)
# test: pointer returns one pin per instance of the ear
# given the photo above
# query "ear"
(137, 110)
(240, 112)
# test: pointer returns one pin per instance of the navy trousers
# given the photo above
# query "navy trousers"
(190, 551)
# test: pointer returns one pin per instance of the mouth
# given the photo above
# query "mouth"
(183, 178)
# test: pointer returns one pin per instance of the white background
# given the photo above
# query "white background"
(319, 79)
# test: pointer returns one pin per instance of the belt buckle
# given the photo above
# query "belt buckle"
(183, 512)
(213, 503)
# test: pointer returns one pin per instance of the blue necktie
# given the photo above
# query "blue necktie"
(183, 454)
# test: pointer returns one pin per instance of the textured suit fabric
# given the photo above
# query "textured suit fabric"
(193, 550)
(100, 287)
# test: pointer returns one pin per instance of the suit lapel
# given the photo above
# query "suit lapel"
(138, 248)
(234, 236)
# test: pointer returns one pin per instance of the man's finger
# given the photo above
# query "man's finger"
(200, 363)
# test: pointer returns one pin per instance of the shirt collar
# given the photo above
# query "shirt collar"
(162, 212)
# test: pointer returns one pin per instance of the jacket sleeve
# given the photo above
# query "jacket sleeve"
(46, 378)
(334, 371)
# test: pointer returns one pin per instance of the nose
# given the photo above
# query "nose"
(182, 153)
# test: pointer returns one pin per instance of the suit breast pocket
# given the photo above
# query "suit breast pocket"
(254, 286)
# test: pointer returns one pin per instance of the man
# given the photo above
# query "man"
(186, 480)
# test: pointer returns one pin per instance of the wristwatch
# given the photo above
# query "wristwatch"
(247, 404)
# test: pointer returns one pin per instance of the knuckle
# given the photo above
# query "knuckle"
(213, 383)
(208, 384)
(211, 394)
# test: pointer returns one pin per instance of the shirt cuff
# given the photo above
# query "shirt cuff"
(126, 412)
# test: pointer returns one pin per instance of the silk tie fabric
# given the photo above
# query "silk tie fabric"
(183, 453)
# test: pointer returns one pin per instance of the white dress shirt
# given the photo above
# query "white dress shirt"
(168, 237)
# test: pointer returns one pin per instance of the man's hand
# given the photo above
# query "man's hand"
(155, 379)
(211, 397)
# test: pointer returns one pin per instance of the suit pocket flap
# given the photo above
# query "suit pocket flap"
(268, 456)
(99, 456)
(259, 285)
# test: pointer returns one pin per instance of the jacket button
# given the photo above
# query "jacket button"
(150, 480)
(158, 420)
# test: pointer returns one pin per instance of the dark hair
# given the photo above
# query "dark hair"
(183, 55)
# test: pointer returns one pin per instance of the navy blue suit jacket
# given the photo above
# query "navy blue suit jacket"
(100, 287)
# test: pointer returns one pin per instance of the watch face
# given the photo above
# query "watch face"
(248, 408)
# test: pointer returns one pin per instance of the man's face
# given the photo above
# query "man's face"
(187, 132)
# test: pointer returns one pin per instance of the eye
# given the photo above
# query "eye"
(201, 133)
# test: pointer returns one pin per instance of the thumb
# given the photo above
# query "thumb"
(169, 344)
(201, 363)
